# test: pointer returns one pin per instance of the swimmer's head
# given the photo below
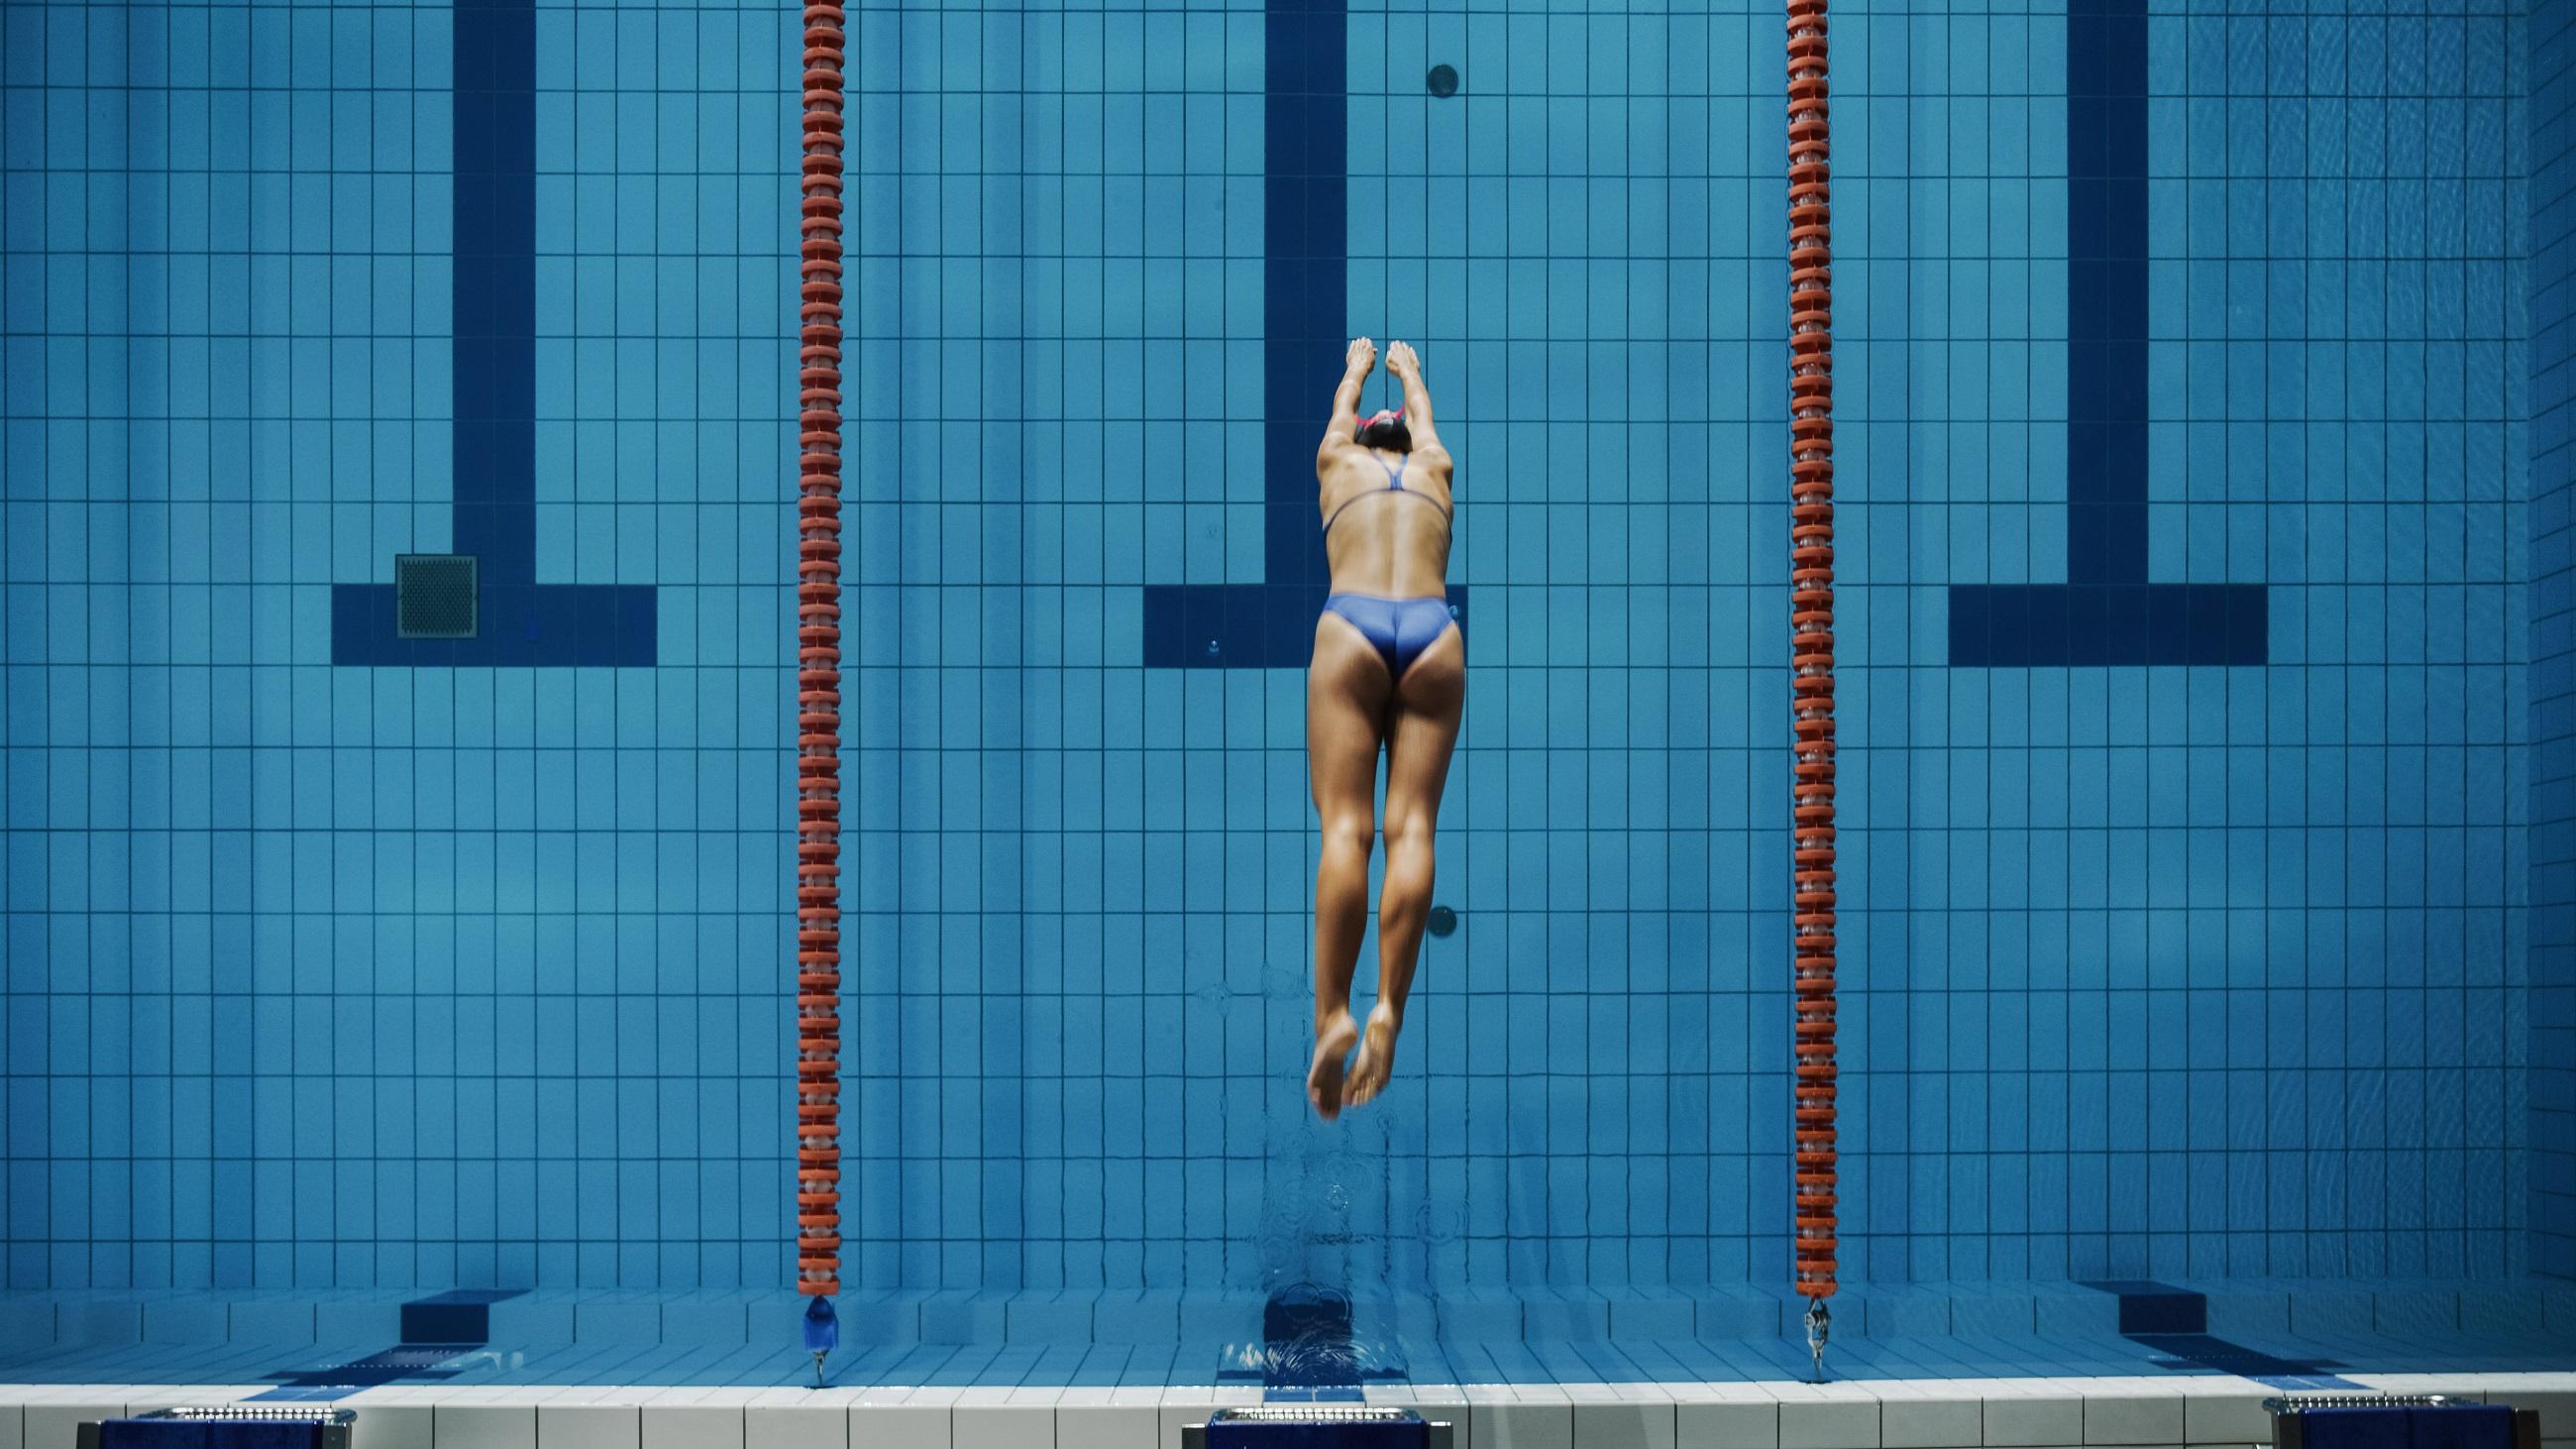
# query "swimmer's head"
(1386, 430)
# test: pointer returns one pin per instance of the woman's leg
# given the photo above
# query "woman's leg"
(1346, 707)
(1428, 704)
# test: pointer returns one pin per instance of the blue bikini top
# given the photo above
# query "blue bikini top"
(1394, 484)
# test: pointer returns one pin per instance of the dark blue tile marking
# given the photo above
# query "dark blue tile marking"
(2201, 1351)
(1309, 1352)
(459, 1315)
(1305, 293)
(495, 394)
(2174, 1322)
(2102, 624)
(2107, 613)
(540, 625)
(405, 1363)
(1307, 1332)
(2154, 1308)
(436, 1331)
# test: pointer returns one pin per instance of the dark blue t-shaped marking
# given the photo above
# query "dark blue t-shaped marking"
(1305, 294)
(521, 622)
(2106, 612)
(2175, 1322)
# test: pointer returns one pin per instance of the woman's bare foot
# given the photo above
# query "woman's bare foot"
(1333, 1041)
(1376, 1059)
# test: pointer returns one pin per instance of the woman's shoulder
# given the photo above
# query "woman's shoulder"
(1337, 458)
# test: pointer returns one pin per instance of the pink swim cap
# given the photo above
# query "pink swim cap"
(1383, 415)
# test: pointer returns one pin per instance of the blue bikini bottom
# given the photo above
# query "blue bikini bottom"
(1400, 628)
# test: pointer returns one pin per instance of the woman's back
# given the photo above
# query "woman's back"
(1387, 521)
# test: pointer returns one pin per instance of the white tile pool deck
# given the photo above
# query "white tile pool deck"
(1925, 1367)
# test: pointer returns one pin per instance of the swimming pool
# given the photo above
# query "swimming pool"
(2199, 673)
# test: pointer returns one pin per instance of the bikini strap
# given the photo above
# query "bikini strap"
(1394, 484)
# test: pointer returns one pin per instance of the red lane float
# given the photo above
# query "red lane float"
(818, 668)
(1811, 582)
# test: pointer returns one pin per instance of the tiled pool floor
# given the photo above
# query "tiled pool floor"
(2314, 1362)
(1914, 1368)
(2270, 1330)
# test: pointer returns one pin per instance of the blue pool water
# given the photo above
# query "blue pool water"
(2204, 659)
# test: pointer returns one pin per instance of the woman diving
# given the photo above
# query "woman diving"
(1389, 673)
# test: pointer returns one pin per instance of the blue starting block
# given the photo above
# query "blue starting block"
(2398, 1421)
(1317, 1426)
(226, 1426)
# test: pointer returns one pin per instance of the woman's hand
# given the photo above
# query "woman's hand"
(1401, 362)
(1360, 359)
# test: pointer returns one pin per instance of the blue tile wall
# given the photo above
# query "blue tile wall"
(2187, 970)
(363, 973)
(2191, 970)
(325, 975)
(2552, 25)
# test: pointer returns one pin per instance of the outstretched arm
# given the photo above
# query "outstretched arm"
(1407, 368)
(1343, 428)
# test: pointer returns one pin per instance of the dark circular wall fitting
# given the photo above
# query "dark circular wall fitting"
(1444, 81)
(1443, 920)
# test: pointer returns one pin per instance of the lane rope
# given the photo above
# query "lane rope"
(818, 686)
(1811, 582)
